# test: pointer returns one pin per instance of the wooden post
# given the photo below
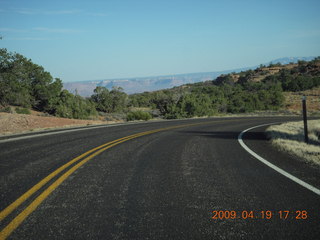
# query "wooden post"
(305, 122)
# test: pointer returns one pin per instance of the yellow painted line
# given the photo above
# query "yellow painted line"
(27, 211)
(30, 208)
(31, 191)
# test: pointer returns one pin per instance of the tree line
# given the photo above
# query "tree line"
(227, 95)
(208, 100)
(26, 84)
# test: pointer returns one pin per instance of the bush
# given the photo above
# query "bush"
(138, 115)
(23, 111)
(6, 110)
(74, 106)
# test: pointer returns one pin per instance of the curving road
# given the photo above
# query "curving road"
(168, 180)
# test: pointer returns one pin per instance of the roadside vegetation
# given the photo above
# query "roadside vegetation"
(138, 115)
(289, 137)
(23, 111)
(27, 85)
(262, 89)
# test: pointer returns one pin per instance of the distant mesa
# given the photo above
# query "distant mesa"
(144, 84)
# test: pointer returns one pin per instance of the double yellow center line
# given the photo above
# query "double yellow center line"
(80, 160)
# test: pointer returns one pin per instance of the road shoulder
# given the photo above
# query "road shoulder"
(257, 141)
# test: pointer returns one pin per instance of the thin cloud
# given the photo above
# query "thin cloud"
(27, 11)
(56, 30)
(41, 29)
(28, 39)
(63, 12)
(13, 30)
(97, 14)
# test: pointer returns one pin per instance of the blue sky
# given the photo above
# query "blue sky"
(89, 40)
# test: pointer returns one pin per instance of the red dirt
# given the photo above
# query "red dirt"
(17, 123)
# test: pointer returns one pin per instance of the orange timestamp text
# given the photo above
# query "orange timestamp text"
(264, 214)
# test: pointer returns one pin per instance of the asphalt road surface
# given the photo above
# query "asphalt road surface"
(189, 180)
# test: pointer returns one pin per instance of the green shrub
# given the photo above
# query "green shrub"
(138, 115)
(6, 109)
(23, 111)
(74, 106)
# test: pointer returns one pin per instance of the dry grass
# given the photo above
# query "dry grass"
(293, 101)
(289, 137)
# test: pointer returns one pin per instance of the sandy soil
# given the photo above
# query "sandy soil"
(19, 123)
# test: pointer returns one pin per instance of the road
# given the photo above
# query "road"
(157, 184)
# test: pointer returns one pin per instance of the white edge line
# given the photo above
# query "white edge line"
(59, 131)
(48, 133)
(274, 167)
(74, 129)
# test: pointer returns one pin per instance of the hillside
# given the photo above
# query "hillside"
(303, 68)
(293, 101)
(143, 84)
(275, 87)
(27, 85)
(256, 75)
